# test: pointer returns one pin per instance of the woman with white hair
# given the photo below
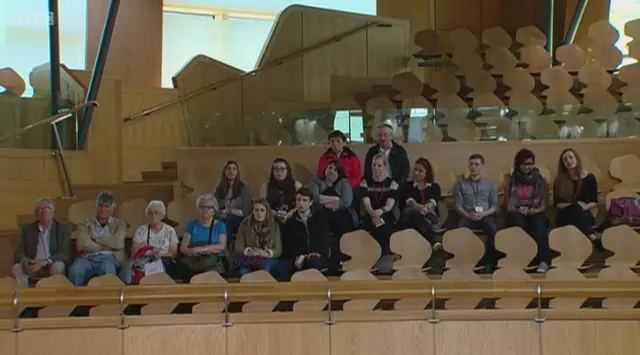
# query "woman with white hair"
(205, 240)
(157, 234)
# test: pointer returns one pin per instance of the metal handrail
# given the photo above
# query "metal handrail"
(50, 120)
(269, 65)
(53, 120)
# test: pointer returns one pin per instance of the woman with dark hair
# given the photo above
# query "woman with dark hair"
(259, 242)
(233, 197)
(280, 190)
(347, 157)
(575, 195)
(527, 194)
(333, 193)
(419, 200)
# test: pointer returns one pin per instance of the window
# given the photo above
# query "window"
(350, 123)
(620, 12)
(24, 35)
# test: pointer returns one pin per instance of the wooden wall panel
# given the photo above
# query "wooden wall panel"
(7, 339)
(591, 337)
(470, 338)
(95, 341)
(136, 47)
(174, 340)
(386, 55)
(278, 339)
(382, 338)
(347, 57)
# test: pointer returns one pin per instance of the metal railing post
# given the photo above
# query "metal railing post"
(548, 21)
(98, 69)
(59, 152)
(575, 21)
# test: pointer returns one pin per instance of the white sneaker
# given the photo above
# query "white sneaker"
(542, 268)
(437, 246)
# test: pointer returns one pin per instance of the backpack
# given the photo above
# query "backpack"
(625, 210)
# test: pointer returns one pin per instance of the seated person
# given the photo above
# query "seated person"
(575, 194)
(280, 190)
(158, 235)
(258, 243)
(476, 201)
(306, 239)
(398, 165)
(100, 243)
(332, 192)
(204, 240)
(347, 158)
(526, 195)
(419, 203)
(44, 246)
(233, 196)
(379, 193)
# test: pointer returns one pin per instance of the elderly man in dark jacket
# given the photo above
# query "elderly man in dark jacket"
(44, 246)
(398, 167)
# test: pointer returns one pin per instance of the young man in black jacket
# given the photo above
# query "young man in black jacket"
(305, 239)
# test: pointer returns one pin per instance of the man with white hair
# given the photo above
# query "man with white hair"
(44, 246)
(100, 240)
(398, 166)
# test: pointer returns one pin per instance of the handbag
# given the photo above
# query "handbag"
(625, 210)
(251, 262)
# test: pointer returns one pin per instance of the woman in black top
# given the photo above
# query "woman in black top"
(280, 190)
(575, 194)
(333, 193)
(379, 193)
(419, 203)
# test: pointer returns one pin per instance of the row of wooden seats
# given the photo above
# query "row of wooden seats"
(414, 251)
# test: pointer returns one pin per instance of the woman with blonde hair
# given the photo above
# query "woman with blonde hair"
(258, 242)
(575, 195)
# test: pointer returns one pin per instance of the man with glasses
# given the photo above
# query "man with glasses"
(398, 166)
(44, 246)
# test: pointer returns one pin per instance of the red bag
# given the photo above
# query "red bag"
(139, 259)
(625, 210)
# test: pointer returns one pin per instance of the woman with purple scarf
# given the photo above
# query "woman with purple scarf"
(526, 195)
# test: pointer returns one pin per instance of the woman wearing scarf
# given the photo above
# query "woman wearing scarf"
(526, 195)
(258, 241)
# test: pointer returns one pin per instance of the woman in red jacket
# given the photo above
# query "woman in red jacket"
(347, 157)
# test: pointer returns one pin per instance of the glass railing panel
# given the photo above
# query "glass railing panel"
(416, 125)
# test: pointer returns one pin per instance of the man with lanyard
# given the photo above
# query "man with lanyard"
(398, 165)
(476, 201)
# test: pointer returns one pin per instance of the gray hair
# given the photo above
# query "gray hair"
(50, 203)
(156, 203)
(106, 196)
(207, 197)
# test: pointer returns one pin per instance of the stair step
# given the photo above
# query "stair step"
(159, 176)
(169, 166)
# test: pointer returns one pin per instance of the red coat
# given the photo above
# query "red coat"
(349, 161)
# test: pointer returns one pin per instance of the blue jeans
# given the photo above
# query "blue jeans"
(85, 268)
(286, 268)
(268, 266)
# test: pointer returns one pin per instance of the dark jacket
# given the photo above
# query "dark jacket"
(398, 158)
(300, 239)
(58, 237)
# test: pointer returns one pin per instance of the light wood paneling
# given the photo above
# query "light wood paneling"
(95, 341)
(285, 339)
(136, 46)
(235, 109)
(7, 339)
(381, 338)
(174, 340)
(200, 167)
(590, 337)
(470, 338)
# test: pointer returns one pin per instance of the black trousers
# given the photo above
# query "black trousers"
(488, 226)
(574, 215)
(340, 222)
(381, 234)
(537, 227)
(419, 222)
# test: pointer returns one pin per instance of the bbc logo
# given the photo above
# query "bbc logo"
(29, 19)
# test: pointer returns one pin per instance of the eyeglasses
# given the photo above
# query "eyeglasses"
(206, 207)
